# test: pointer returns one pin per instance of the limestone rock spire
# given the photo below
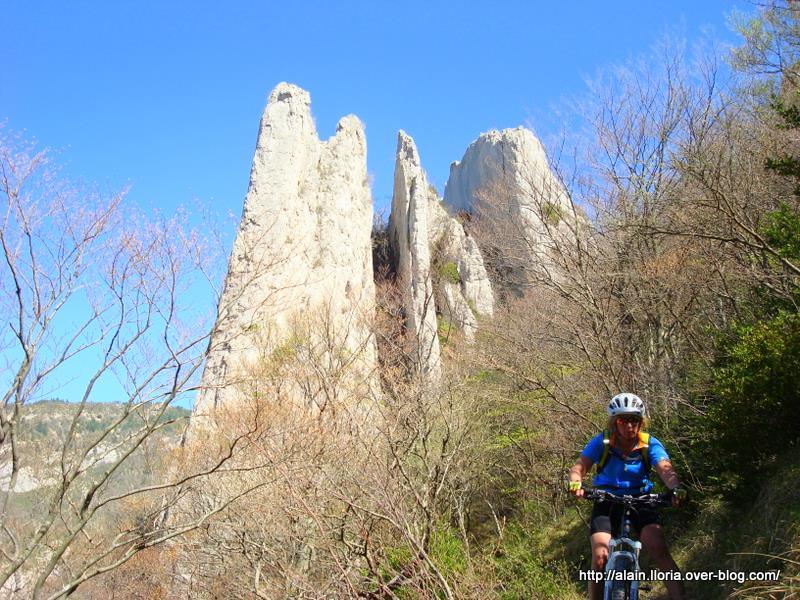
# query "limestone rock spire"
(465, 291)
(409, 239)
(300, 271)
(504, 181)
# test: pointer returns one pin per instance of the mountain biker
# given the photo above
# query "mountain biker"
(620, 453)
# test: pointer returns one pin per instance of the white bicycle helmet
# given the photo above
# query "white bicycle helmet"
(626, 404)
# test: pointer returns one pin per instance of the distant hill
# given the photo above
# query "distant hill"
(101, 427)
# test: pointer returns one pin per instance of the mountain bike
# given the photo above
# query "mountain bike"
(622, 575)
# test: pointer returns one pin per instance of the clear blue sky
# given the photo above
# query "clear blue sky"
(167, 96)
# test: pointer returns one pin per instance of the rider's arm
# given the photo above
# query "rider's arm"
(579, 470)
(670, 478)
(667, 474)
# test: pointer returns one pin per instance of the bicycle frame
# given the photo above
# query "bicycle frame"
(624, 550)
(623, 556)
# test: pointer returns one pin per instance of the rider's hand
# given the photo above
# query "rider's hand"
(679, 495)
(576, 489)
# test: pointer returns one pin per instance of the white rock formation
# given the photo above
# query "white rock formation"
(301, 266)
(464, 291)
(409, 240)
(505, 181)
(450, 239)
(27, 479)
(457, 310)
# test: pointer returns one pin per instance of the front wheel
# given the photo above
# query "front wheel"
(620, 591)
(617, 586)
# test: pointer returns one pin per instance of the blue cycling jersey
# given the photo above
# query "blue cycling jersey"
(624, 475)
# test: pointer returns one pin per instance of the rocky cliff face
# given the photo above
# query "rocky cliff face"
(505, 182)
(431, 245)
(513, 157)
(300, 273)
(301, 265)
(465, 290)
(409, 242)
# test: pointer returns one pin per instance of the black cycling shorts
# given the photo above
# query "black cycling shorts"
(607, 517)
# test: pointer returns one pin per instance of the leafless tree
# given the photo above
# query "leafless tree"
(613, 292)
(93, 291)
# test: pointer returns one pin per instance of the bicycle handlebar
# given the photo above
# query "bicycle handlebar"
(664, 499)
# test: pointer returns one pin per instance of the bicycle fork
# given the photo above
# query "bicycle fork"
(622, 570)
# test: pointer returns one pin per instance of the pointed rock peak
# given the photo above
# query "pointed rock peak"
(288, 111)
(406, 148)
(515, 155)
(351, 128)
(510, 131)
(516, 136)
(302, 252)
(289, 100)
(290, 93)
(349, 123)
(408, 238)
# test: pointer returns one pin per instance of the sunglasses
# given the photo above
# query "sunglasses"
(633, 420)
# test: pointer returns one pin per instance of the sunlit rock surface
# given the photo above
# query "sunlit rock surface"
(300, 272)
(409, 242)
(431, 247)
(505, 183)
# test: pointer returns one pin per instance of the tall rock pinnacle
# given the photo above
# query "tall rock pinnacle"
(408, 237)
(515, 156)
(439, 266)
(301, 264)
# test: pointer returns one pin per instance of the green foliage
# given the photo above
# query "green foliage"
(511, 439)
(285, 353)
(755, 415)
(755, 380)
(130, 424)
(443, 328)
(745, 536)
(525, 574)
(789, 113)
(488, 377)
(786, 165)
(449, 552)
(771, 45)
(94, 425)
(398, 557)
(782, 230)
(448, 271)
(552, 213)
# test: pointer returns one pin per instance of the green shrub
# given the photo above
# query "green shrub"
(782, 231)
(524, 574)
(398, 558)
(755, 412)
(448, 551)
(95, 424)
(443, 328)
(552, 213)
(448, 271)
